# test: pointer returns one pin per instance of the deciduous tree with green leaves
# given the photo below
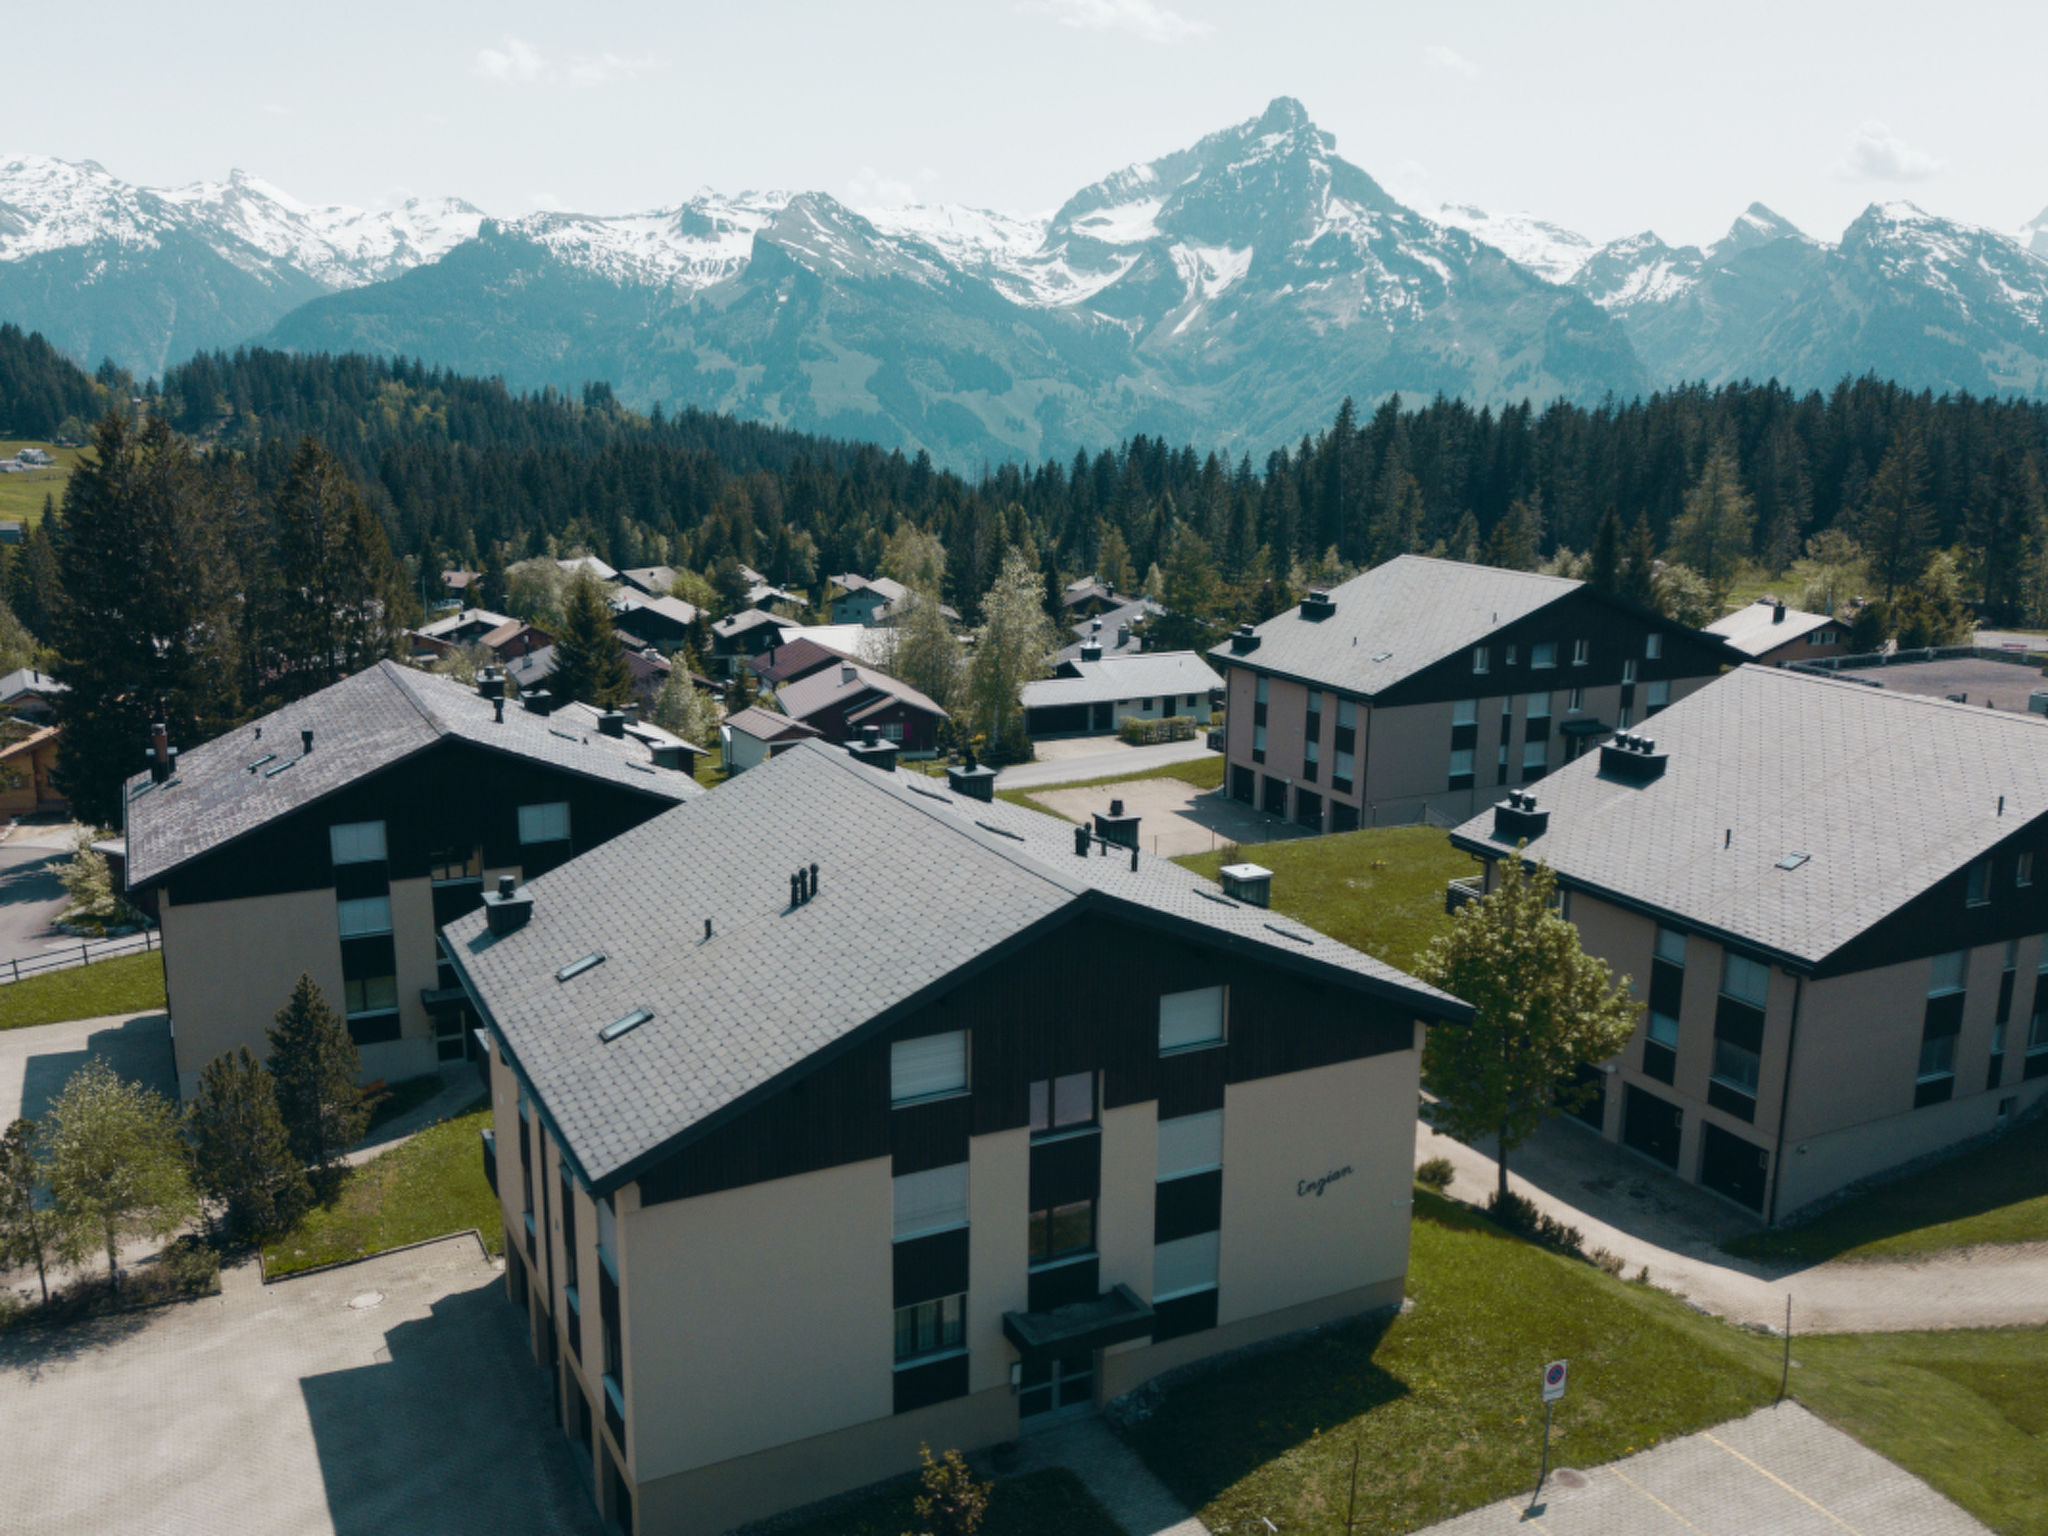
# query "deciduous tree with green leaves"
(241, 1155)
(1542, 1009)
(31, 1230)
(951, 1500)
(117, 1164)
(684, 708)
(1016, 647)
(314, 1064)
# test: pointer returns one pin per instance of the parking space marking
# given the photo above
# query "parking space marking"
(1639, 1488)
(1766, 1472)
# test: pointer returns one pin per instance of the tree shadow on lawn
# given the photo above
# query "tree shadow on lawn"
(1227, 1424)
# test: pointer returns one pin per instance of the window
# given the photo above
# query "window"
(1671, 946)
(1653, 646)
(547, 823)
(1315, 702)
(1656, 696)
(1823, 637)
(569, 1258)
(1259, 691)
(1478, 659)
(1736, 1065)
(1190, 1020)
(930, 1328)
(1582, 652)
(1538, 707)
(1509, 659)
(1258, 743)
(1745, 980)
(1628, 671)
(1062, 1231)
(1465, 712)
(357, 842)
(1535, 757)
(1190, 1144)
(363, 915)
(1188, 1264)
(456, 864)
(932, 1201)
(1062, 1103)
(1543, 654)
(1575, 701)
(1937, 1056)
(1146, 705)
(1347, 715)
(1979, 891)
(2023, 870)
(608, 1237)
(1664, 1030)
(370, 994)
(893, 730)
(1312, 752)
(928, 1067)
(1346, 762)
(1461, 767)
(1950, 973)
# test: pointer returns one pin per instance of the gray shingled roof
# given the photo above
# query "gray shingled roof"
(378, 717)
(914, 883)
(1145, 675)
(1397, 619)
(807, 695)
(1887, 793)
(1755, 627)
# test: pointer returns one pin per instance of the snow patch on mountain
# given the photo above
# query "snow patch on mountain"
(1550, 250)
(703, 241)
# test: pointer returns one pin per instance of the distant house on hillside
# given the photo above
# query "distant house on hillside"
(30, 694)
(654, 580)
(30, 762)
(865, 600)
(754, 735)
(1115, 632)
(748, 633)
(1087, 598)
(1767, 631)
(1099, 695)
(839, 702)
(662, 622)
(466, 627)
(799, 658)
(590, 563)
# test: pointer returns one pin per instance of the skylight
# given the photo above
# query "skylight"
(1383, 656)
(618, 1027)
(268, 757)
(1793, 860)
(576, 968)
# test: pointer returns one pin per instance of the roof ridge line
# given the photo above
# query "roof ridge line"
(395, 672)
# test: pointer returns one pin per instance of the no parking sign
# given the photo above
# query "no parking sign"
(1553, 1381)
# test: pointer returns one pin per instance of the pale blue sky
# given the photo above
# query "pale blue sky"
(1609, 118)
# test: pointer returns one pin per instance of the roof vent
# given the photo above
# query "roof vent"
(537, 701)
(306, 742)
(1778, 612)
(1116, 827)
(490, 683)
(872, 750)
(1244, 639)
(1091, 650)
(977, 781)
(1249, 883)
(1318, 605)
(612, 723)
(508, 907)
(1631, 757)
(1518, 817)
(848, 673)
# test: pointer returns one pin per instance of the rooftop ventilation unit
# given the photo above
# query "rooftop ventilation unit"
(1631, 757)
(1251, 884)
(490, 683)
(1091, 650)
(977, 781)
(508, 907)
(537, 701)
(612, 723)
(872, 750)
(1116, 827)
(1318, 605)
(1519, 817)
(1244, 640)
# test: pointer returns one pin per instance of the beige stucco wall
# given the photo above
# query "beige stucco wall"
(229, 966)
(998, 1251)
(757, 1316)
(1130, 1177)
(1282, 1247)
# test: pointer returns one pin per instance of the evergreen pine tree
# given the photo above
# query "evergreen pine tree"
(1605, 573)
(589, 664)
(491, 581)
(314, 1065)
(1639, 564)
(338, 598)
(33, 585)
(1892, 521)
(1712, 534)
(240, 1153)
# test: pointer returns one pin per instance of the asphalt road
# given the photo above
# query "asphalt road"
(2003, 639)
(1073, 770)
(31, 897)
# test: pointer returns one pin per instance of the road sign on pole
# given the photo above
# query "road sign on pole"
(1553, 1381)
(1553, 1393)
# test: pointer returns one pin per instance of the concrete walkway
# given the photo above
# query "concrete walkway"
(459, 1089)
(1651, 1220)
(1111, 1470)
(1074, 770)
(1779, 1472)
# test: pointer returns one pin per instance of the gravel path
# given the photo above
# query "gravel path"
(1654, 1221)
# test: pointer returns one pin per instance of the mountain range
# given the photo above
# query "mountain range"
(1228, 293)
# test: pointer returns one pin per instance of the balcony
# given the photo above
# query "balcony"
(1465, 888)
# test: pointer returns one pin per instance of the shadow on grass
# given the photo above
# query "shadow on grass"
(1227, 1425)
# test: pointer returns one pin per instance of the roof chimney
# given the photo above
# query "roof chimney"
(508, 907)
(1116, 827)
(491, 683)
(306, 742)
(1244, 639)
(1318, 605)
(1518, 817)
(612, 723)
(159, 752)
(977, 781)
(536, 701)
(1778, 612)
(872, 750)
(1632, 757)
(848, 672)
(1091, 650)
(1123, 636)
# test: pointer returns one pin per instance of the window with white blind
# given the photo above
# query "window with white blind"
(1190, 1020)
(1465, 712)
(1185, 1265)
(932, 1201)
(357, 842)
(1745, 980)
(928, 1067)
(1190, 1144)
(547, 823)
(1538, 707)
(364, 915)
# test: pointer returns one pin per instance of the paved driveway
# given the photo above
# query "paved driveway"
(36, 1062)
(1072, 770)
(1174, 817)
(282, 1409)
(31, 898)
(1779, 1472)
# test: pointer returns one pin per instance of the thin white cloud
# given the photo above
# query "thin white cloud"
(1145, 19)
(869, 188)
(604, 68)
(1444, 57)
(1878, 154)
(517, 63)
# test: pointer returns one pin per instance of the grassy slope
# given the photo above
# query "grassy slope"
(1037, 1504)
(124, 984)
(21, 496)
(1443, 1401)
(1380, 890)
(426, 1187)
(1994, 1194)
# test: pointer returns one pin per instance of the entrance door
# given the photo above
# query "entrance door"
(1733, 1167)
(1308, 809)
(1105, 717)
(1276, 797)
(1063, 1385)
(1241, 784)
(1651, 1125)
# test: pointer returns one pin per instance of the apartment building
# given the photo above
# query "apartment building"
(334, 836)
(1825, 896)
(1424, 685)
(1768, 632)
(847, 1110)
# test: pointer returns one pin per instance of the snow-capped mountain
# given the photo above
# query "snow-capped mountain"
(1231, 292)
(1547, 249)
(148, 274)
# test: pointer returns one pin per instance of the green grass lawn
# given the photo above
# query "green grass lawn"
(426, 1187)
(402, 1097)
(1202, 772)
(21, 496)
(1037, 1504)
(124, 984)
(1442, 1402)
(1380, 890)
(1997, 1193)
